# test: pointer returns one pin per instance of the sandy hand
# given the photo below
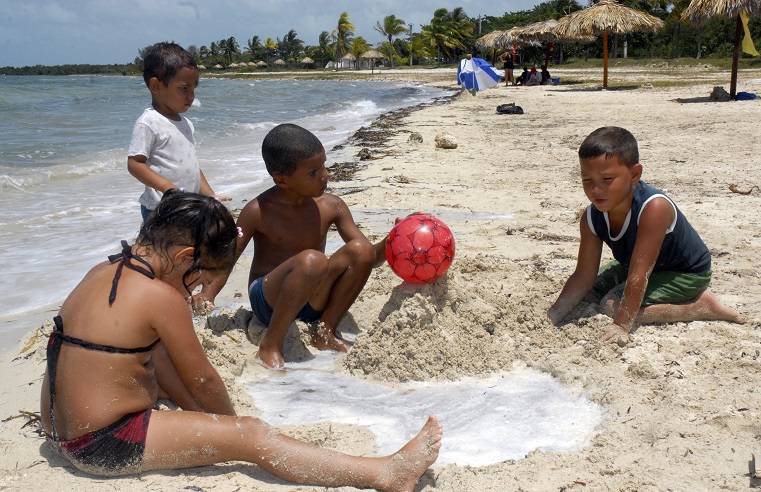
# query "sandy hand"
(614, 333)
(200, 304)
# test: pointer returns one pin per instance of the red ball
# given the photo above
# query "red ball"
(420, 248)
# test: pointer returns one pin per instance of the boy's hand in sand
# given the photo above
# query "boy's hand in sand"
(613, 333)
(223, 198)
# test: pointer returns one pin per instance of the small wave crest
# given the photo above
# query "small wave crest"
(33, 178)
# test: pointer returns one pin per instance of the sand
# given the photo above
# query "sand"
(682, 400)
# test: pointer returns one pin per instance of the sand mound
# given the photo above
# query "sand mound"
(467, 323)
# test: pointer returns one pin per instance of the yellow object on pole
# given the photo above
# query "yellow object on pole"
(748, 46)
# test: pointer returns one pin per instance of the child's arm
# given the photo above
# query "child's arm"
(194, 372)
(349, 231)
(137, 165)
(655, 219)
(206, 189)
(583, 278)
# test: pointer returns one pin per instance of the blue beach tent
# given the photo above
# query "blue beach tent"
(477, 74)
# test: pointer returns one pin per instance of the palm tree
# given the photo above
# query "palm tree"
(391, 27)
(343, 34)
(324, 44)
(358, 46)
(441, 35)
(270, 48)
(214, 50)
(291, 46)
(254, 46)
(204, 53)
(419, 49)
(461, 23)
(229, 48)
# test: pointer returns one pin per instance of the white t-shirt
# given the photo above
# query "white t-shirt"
(169, 147)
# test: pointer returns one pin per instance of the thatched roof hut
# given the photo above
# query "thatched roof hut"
(699, 11)
(606, 16)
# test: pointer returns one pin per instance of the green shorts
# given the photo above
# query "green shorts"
(662, 287)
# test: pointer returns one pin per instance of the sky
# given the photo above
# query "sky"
(58, 32)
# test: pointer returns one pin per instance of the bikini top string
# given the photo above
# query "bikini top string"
(125, 258)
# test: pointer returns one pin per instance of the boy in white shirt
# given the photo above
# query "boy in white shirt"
(162, 153)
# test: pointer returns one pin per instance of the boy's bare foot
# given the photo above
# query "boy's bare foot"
(324, 338)
(405, 467)
(716, 310)
(270, 357)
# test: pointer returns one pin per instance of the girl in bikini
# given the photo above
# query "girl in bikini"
(125, 335)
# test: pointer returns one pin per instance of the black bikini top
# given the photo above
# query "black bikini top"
(57, 337)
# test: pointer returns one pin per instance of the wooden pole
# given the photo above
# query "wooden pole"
(605, 59)
(735, 60)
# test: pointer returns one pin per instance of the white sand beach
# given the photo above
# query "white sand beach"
(682, 401)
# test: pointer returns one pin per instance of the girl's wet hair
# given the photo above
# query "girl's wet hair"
(287, 144)
(192, 219)
(163, 61)
(611, 141)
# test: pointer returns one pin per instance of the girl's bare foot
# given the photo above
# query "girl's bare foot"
(405, 467)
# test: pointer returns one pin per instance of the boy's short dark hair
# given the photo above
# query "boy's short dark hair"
(611, 141)
(286, 145)
(163, 61)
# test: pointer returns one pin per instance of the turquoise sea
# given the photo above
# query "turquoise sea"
(66, 198)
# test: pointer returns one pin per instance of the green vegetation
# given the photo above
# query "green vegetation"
(451, 34)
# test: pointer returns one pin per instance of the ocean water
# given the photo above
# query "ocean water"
(66, 198)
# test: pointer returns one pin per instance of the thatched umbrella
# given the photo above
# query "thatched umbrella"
(261, 64)
(279, 62)
(699, 11)
(490, 40)
(307, 61)
(372, 55)
(606, 16)
(538, 32)
(544, 32)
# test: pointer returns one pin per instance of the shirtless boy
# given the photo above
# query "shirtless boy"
(291, 277)
(661, 269)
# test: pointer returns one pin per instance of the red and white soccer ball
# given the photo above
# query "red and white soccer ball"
(420, 248)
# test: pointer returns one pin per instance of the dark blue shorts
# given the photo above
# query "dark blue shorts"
(263, 311)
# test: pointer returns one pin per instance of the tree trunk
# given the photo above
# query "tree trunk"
(735, 59)
(605, 59)
(676, 39)
(700, 42)
(614, 48)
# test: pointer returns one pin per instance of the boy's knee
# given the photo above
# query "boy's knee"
(609, 304)
(362, 251)
(313, 262)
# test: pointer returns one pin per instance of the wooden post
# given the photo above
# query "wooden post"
(605, 59)
(735, 60)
